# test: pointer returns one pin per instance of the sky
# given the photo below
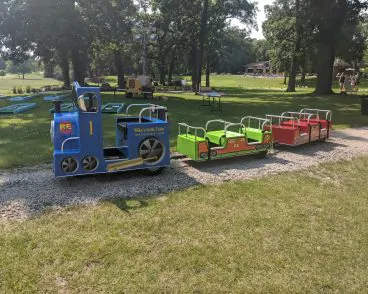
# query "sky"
(260, 19)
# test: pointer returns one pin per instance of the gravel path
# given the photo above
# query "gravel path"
(24, 192)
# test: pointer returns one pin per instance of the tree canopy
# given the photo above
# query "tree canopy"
(167, 37)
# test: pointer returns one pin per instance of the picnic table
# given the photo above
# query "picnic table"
(212, 99)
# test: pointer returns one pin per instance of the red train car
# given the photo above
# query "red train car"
(297, 128)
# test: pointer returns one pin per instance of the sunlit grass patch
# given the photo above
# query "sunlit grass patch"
(295, 232)
(33, 80)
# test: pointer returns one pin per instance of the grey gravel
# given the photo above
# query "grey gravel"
(27, 191)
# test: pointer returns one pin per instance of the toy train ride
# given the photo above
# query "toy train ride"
(142, 139)
(297, 128)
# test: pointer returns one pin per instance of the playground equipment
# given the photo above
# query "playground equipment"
(55, 97)
(65, 107)
(297, 128)
(233, 139)
(17, 108)
(112, 108)
(142, 140)
(106, 108)
(140, 85)
(19, 98)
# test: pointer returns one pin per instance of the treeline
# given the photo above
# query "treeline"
(305, 36)
(21, 69)
(99, 37)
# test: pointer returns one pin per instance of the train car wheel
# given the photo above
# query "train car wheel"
(151, 150)
(90, 163)
(153, 171)
(69, 165)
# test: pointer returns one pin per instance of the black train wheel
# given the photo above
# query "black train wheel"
(151, 150)
(69, 165)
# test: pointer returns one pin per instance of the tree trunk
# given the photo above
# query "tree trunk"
(285, 78)
(331, 16)
(292, 77)
(64, 64)
(162, 71)
(193, 65)
(302, 78)
(325, 60)
(170, 74)
(202, 41)
(23, 75)
(303, 66)
(49, 69)
(79, 66)
(294, 62)
(171, 69)
(208, 72)
(119, 69)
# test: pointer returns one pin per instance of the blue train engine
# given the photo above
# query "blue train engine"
(142, 140)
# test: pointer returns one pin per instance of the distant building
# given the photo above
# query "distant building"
(258, 67)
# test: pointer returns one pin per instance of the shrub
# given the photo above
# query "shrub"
(20, 90)
(14, 90)
(2, 73)
(28, 89)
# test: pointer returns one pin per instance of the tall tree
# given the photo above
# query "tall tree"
(2, 64)
(167, 18)
(290, 35)
(259, 48)
(232, 51)
(217, 13)
(202, 39)
(22, 68)
(297, 48)
(353, 41)
(111, 22)
(44, 27)
(279, 31)
(329, 16)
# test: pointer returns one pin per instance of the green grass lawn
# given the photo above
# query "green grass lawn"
(25, 138)
(270, 235)
(33, 80)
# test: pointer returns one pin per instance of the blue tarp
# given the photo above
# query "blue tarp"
(112, 108)
(20, 98)
(65, 107)
(55, 97)
(17, 108)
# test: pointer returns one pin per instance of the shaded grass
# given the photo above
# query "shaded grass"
(25, 140)
(295, 232)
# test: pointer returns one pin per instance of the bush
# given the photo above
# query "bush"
(28, 89)
(14, 90)
(20, 90)
(2, 73)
